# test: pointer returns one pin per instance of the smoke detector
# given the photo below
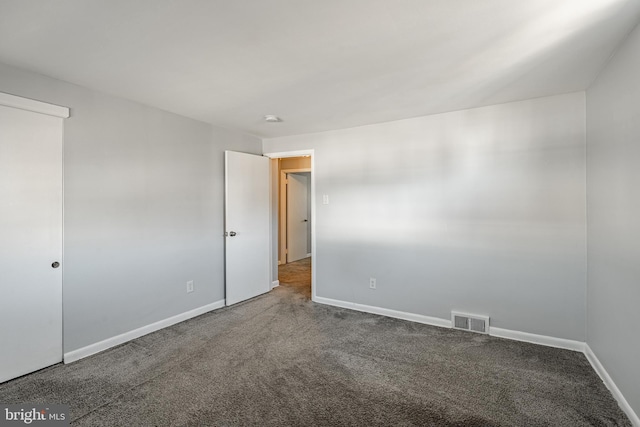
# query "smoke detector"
(272, 118)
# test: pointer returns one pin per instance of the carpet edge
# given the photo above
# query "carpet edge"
(91, 349)
(611, 385)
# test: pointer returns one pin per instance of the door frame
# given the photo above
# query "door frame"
(283, 207)
(274, 254)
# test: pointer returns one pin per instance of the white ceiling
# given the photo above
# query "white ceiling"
(318, 64)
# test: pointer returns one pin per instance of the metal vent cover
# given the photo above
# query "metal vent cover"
(461, 322)
(478, 325)
(470, 322)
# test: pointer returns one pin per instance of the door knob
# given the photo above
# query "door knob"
(55, 264)
(232, 233)
(305, 220)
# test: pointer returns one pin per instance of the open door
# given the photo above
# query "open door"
(247, 225)
(297, 216)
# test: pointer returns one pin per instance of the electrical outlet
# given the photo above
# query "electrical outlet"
(372, 282)
(190, 286)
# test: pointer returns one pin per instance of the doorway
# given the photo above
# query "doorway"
(293, 225)
(294, 207)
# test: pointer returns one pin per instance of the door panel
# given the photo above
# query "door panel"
(246, 226)
(31, 240)
(297, 217)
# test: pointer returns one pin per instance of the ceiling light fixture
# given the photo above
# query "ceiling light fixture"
(272, 118)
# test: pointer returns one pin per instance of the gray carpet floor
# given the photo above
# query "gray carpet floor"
(281, 360)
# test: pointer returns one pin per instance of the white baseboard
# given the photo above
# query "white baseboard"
(502, 333)
(608, 381)
(446, 323)
(537, 339)
(91, 349)
(308, 256)
(275, 284)
(418, 318)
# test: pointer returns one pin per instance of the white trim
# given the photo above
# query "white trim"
(314, 269)
(418, 318)
(615, 391)
(335, 302)
(92, 349)
(507, 334)
(27, 104)
(309, 255)
(446, 323)
(275, 284)
(282, 216)
(285, 154)
(272, 272)
(537, 339)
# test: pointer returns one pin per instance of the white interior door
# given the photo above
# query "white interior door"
(297, 216)
(247, 223)
(30, 241)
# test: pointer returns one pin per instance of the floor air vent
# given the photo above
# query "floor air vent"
(470, 322)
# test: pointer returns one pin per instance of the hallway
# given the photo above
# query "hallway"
(297, 276)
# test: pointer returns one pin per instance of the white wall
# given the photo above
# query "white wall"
(613, 209)
(143, 209)
(480, 210)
